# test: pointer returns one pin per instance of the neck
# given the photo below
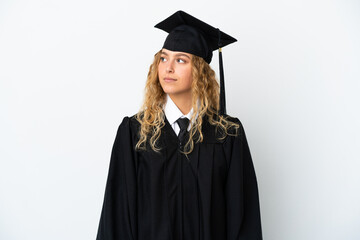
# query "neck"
(184, 103)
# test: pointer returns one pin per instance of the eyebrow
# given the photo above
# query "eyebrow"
(176, 55)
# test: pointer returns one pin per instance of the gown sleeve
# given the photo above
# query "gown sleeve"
(242, 199)
(118, 214)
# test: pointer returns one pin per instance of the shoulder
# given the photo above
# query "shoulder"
(129, 122)
(225, 117)
(215, 133)
(236, 129)
(236, 121)
(128, 126)
(232, 120)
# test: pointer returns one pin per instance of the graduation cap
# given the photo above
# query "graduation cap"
(191, 35)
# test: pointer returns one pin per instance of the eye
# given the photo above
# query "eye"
(179, 60)
(162, 59)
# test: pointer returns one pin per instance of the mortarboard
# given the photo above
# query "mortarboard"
(191, 35)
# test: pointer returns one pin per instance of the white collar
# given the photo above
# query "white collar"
(173, 113)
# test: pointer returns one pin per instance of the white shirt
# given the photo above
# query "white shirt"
(173, 113)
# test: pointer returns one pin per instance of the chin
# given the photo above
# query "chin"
(168, 90)
(173, 90)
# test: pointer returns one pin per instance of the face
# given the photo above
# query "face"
(174, 72)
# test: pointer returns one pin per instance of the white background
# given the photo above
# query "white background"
(70, 71)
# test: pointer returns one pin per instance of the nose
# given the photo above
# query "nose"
(169, 67)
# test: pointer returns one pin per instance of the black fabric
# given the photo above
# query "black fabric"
(183, 124)
(222, 101)
(212, 195)
(191, 35)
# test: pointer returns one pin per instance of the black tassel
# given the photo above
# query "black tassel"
(222, 83)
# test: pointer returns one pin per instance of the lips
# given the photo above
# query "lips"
(169, 79)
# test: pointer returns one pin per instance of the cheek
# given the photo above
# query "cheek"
(190, 80)
(189, 77)
(159, 70)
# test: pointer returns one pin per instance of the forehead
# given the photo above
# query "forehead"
(174, 53)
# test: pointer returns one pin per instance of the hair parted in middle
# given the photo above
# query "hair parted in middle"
(205, 91)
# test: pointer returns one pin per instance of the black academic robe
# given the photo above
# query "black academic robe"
(211, 195)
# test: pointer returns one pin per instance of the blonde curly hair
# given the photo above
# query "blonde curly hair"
(205, 92)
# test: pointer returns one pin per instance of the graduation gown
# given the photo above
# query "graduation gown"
(211, 195)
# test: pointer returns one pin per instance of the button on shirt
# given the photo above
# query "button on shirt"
(173, 113)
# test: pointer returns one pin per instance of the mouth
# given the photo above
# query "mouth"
(167, 79)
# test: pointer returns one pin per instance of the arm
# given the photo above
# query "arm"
(118, 216)
(242, 199)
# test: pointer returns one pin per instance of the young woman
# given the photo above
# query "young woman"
(181, 168)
